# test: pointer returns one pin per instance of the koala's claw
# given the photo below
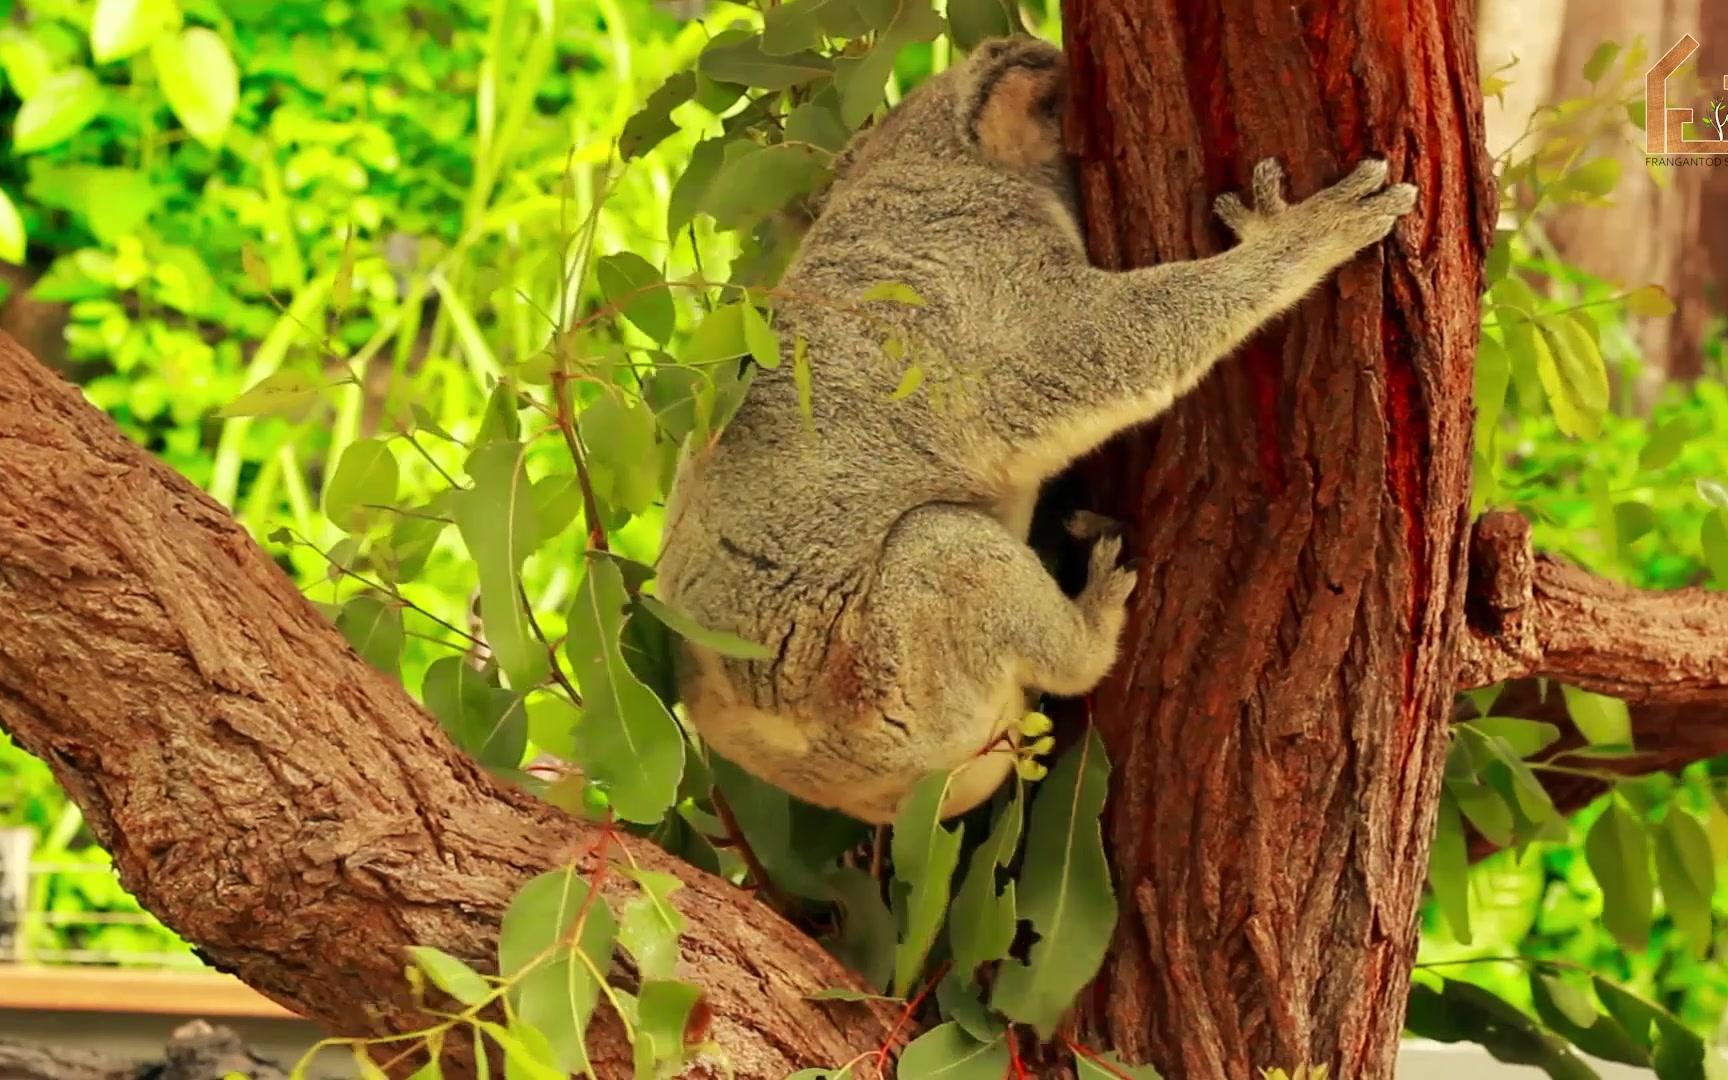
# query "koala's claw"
(1269, 186)
(1397, 200)
(1364, 180)
(1086, 525)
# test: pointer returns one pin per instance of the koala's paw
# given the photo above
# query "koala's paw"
(1360, 209)
(1269, 202)
(1107, 583)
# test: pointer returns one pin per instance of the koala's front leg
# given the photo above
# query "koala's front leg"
(1115, 349)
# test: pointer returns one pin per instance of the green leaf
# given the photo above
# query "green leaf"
(1619, 856)
(627, 742)
(1485, 809)
(755, 181)
(691, 189)
(1686, 870)
(12, 238)
(1665, 444)
(450, 974)
(909, 383)
(1675, 1051)
(1572, 1014)
(1602, 720)
(946, 1052)
(801, 376)
(983, 918)
(60, 108)
(120, 28)
(488, 722)
(653, 122)
(374, 628)
(685, 626)
(114, 202)
(26, 61)
(1651, 301)
(497, 522)
(365, 480)
(1065, 892)
(632, 284)
(818, 125)
(894, 292)
(925, 855)
(1527, 738)
(663, 1011)
(552, 962)
(1107, 1066)
(764, 343)
(1569, 363)
(651, 925)
(1598, 177)
(1713, 492)
(1463, 1012)
(718, 337)
(619, 432)
(743, 60)
(973, 21)
(1493, 373)
(1602, 56)
(866, 939)
(412, 539)
(1713, 538)
(200, 81)
(1449, 870)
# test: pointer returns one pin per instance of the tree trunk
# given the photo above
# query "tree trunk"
(1278, 724)
(273, 798)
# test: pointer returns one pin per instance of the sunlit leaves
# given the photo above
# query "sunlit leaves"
(1601, 719)
(1569, 363)
(636, 289)
(119, 28)
(200, 81)
(1066, 894)
(556, 945)
(12, 238)
(1686, 871)
(450, 974)
(497, 522)
(363, 485)
(60, 108)
(286, 394)
(627, 741)
(1650, 301)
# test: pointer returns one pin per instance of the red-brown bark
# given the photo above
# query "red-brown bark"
(272, 797)
(1278, 724)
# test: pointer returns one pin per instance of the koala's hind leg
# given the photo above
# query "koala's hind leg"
(968, 619)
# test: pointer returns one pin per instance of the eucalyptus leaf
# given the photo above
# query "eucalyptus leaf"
(946, 1052)
(496, 518)
(633, 285)
(1064, 890)
(552, 941)
(925, 855)
(200, 80)
(1619, 856)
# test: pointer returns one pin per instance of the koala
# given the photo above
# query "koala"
(878, 547)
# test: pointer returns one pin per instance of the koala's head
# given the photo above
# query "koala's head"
(1002, 106)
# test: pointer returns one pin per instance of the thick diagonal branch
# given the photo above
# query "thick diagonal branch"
(1665, 653)
(274, 799)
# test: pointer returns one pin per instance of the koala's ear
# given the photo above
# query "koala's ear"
(1011, 98)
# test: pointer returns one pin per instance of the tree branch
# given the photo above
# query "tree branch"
(274, 799)
(1532, 617)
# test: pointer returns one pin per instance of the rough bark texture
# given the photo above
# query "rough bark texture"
(273, 798)
(1279, 723)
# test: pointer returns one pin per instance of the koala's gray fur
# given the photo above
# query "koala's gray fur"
(880, 549)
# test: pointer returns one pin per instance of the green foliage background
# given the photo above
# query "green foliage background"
(372, 211)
